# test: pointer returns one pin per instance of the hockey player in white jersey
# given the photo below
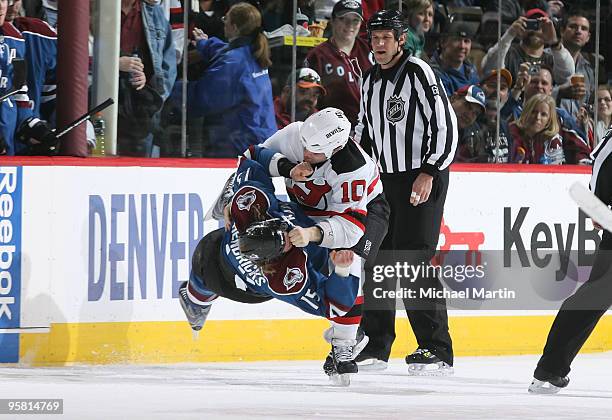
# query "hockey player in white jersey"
(332, 178)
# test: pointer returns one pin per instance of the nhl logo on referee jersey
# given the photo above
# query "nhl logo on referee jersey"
(396, 110)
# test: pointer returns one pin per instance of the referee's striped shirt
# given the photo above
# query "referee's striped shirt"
(601, 180)
(406, 118)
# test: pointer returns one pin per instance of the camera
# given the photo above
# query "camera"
(532, 24)
(534, 69)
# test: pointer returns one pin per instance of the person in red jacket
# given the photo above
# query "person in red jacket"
(535, 135)
(342, 60)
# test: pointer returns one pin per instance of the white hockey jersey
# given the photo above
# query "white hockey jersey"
(337, 193)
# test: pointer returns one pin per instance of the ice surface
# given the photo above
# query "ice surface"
(482, 388)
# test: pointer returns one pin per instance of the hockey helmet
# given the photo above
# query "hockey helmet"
(386, 19)
(325, 131)
(263, 241)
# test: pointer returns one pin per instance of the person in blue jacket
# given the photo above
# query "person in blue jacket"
(20, 132)
(234, 92)
(41, 58)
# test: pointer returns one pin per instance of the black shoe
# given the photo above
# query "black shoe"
(424, 362)
(547, 383)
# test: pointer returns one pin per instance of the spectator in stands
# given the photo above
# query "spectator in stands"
(41, 59)
(308, 89)
(50, 12)
(574, 138)
(209, 18)
(490, 87)
(536, 31)
(451, 63)
(575, 33)
(513, 9)
(468, 102)
(535, 135)
(342, 59)
(20, 132)
(418, 18)
(234, 93)
(173, 11)
(595, 132)
(148, 71)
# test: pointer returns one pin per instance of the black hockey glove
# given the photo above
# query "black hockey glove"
(2, 145)
(37, 135)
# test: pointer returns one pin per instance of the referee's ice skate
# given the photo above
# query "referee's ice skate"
(548, 384)
(424, 363)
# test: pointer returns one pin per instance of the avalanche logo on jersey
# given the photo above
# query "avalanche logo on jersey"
(395, 109)
(293, 277)
(245, 201)
(289, 276)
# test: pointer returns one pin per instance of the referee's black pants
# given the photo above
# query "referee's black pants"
(579, 315)
(414, 229)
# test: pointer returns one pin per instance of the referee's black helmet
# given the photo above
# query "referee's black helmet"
(386, 19)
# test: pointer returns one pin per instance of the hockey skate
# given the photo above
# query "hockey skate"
(424, 363)
(547, 383)
(369, 363)
(340, 364)
(196, 314)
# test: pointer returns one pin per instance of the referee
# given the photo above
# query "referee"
(408, 124)
(580, 312)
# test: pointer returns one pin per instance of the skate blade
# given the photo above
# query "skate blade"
(542, 388)
(371, 365)
(430, 369)
(195, 335)
(360, 346)
(340, 380)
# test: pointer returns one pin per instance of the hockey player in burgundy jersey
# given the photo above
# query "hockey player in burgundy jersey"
(254, 261)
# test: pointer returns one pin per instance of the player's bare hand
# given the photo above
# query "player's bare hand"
(421, 188)
(299, 236)
(227, 217)
(342, 258)
(301, 172)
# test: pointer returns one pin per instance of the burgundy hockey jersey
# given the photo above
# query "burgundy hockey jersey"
(341, 75)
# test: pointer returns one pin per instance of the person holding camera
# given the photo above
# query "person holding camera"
(539, 45)
(596, 131)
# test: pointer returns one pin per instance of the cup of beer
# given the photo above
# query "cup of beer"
(577, 79)
(316, 30)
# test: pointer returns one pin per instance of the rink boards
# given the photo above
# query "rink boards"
(92, 253)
